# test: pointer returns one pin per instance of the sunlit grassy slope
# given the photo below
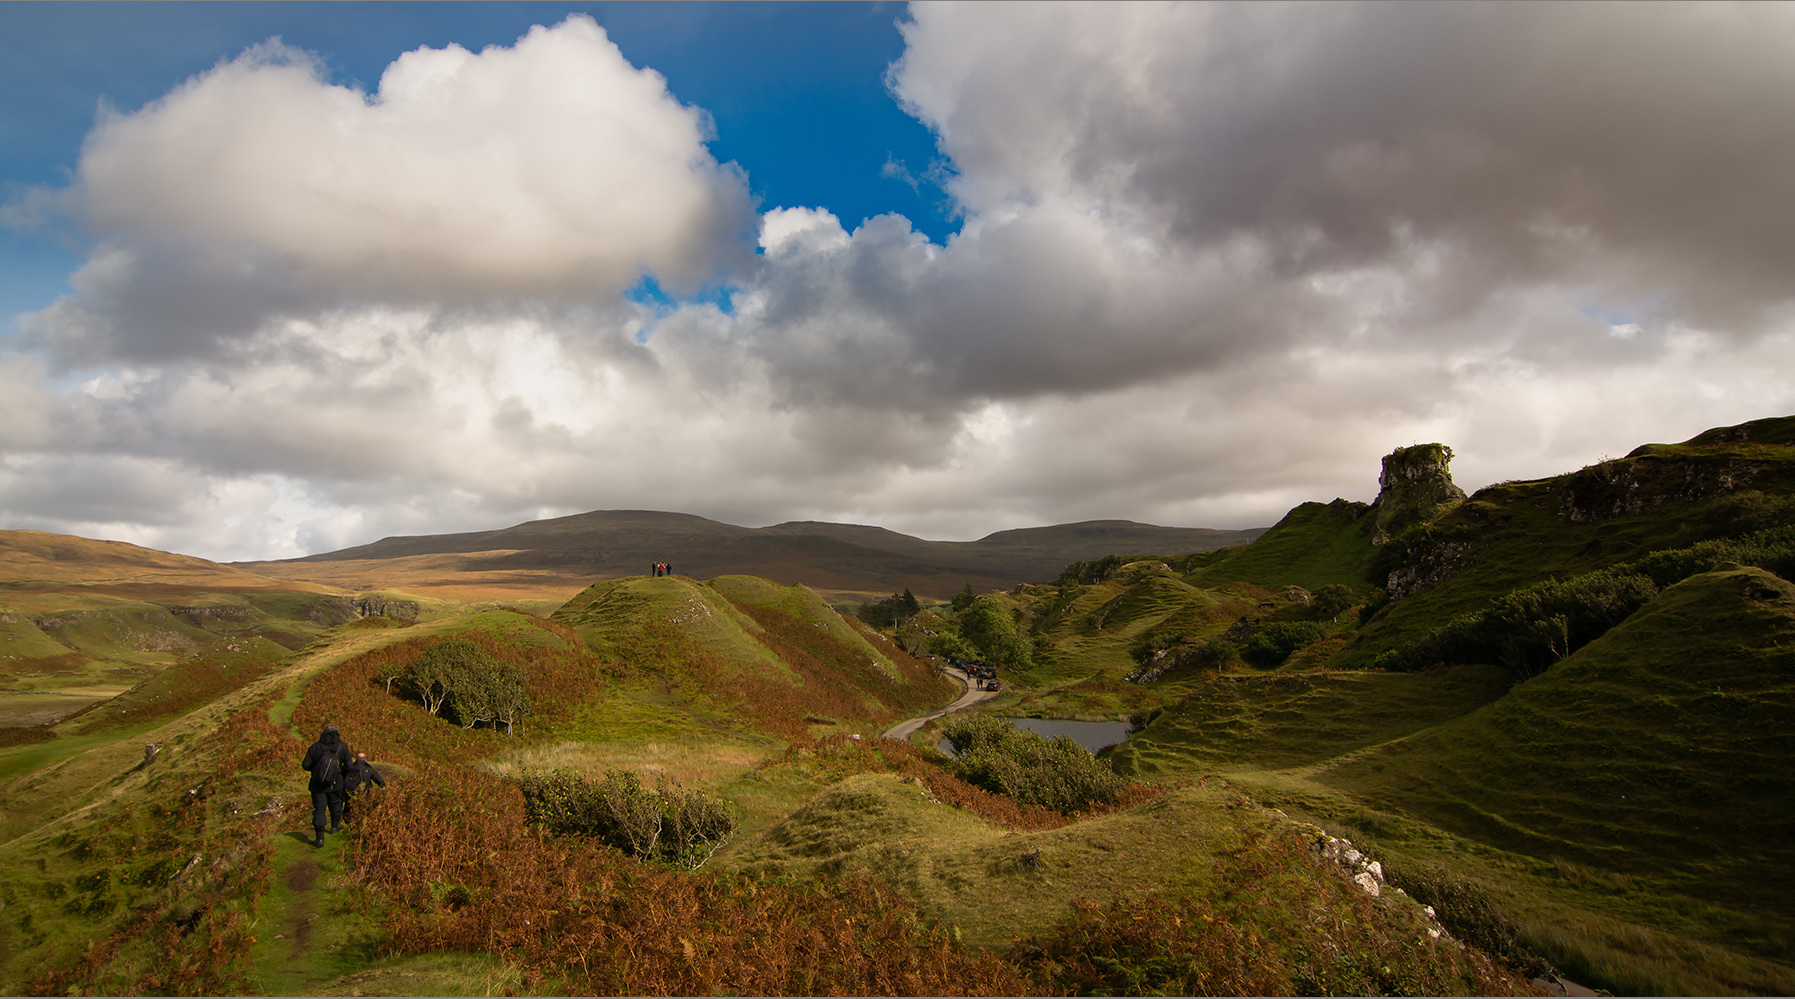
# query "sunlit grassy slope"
(1629, 809)
(744, 648)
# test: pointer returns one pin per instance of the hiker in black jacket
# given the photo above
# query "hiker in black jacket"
(361, 773)
(328, 761)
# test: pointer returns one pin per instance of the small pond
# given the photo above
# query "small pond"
(1091, 735)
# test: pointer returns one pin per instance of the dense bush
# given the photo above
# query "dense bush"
(1331, 599)
(1531, 628)
(474, 685)
(1058, 773)
(949, 645)
(1271, 644)
(1771, 550)
(678, 825)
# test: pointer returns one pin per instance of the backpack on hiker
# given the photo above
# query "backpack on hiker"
(330, 769)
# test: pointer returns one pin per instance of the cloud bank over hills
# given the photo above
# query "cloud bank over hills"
(1212, 261)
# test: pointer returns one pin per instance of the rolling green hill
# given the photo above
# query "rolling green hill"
(1624, 812)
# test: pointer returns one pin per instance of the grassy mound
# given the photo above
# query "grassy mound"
(742, 649)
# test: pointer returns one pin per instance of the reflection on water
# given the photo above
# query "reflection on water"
(1091, 735)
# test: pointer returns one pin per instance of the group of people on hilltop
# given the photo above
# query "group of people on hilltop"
(336, 774)
(660, 569)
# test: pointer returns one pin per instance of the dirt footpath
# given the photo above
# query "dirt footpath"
(973, 695)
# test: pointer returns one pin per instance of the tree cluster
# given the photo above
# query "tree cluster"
(990, 627)
(681, 826)
(457, 679)
(891, 611)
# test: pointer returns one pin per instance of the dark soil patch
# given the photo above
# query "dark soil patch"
(301, 876)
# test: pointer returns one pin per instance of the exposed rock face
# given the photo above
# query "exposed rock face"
(201, 616)
(1428, 563)
(1163, 662)
(1635, 485)
(1416, 486)
(374, 605)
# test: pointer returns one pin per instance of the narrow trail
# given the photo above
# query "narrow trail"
(298, 950)
(905, 729)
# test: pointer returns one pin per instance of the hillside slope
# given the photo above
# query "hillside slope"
(834, 558)
(1661, 750)
(82, 621)
(1586, 753)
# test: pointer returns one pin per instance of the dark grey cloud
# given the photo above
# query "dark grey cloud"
(1638, 147)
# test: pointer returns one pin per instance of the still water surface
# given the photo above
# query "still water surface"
(1091, 735)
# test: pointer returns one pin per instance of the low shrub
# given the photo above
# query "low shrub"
(1057, 774)
(670, 823)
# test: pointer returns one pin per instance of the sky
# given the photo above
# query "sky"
(277, 279)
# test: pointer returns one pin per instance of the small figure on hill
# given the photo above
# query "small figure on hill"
(360, 774)
(666, 568)
(328, 762)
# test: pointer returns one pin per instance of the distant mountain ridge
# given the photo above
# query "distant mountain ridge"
(612, 543)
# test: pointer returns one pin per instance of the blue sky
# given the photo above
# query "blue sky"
(796, 91)
(948, 269)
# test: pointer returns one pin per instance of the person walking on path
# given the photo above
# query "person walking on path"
(360, 774)
(328, 762)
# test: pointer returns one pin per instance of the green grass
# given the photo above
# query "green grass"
(1282, 720)
(1314, 545)
(1660, 751)
(21, 641)
(622, 618)
(988, 883)
(1627, 810)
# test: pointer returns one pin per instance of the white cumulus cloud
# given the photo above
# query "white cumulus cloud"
(552, 169)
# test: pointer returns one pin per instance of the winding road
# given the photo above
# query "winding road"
(973, 695)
